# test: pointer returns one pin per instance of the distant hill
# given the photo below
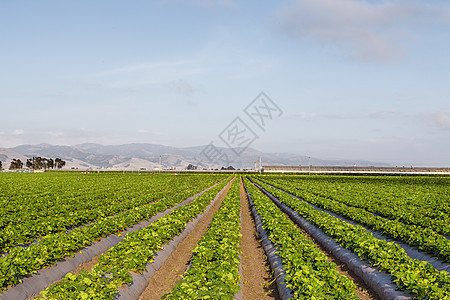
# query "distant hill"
(143, 155)
(7, 155)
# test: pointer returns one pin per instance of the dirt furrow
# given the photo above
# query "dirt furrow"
(257, 280)
(165, 279)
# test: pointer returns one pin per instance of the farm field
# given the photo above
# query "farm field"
(397, 210)
(68, 235)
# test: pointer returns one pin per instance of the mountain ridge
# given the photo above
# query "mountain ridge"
(135, 156)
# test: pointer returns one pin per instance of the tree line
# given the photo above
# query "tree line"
(37, 163)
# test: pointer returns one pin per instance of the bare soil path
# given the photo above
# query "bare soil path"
(165, 279)
(257, 281)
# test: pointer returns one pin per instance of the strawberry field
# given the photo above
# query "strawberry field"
(68, 235)
(378, 219)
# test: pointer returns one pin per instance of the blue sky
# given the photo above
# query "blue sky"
(355, 79)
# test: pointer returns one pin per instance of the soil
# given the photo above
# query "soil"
(87, 266)
(258, 282)
(165, 279)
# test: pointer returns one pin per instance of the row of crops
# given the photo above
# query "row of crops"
(308, 273)
(214, 269)
(362, 202)
(131, 255)
(104, 204)
(68, 212)
(423, 237)
(422, 201)
(35, 205)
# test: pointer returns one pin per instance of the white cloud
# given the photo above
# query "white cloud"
(18, 132)
(441, 118)
(365, 30)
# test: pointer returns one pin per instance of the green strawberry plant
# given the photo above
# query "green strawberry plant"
(214, 269)
(308, 273)
(21, 261)
(132, 254)
(35, 205)
(424, 239)
(426, 282)
(413, 200)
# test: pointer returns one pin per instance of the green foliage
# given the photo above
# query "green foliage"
(422, 237)
(22, 261)
(132, 254)
(308, 273)
(214, 269)
(86, 286)
(424, 280)
(35, 205)
(417, 200)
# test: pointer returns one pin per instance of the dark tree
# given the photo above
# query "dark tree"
(230, 168)
(29, 163)
(59, 163)
(191, 167)
(16, 164)
(50, 163)
(1, 165)
(38, 162)
(45, 163)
